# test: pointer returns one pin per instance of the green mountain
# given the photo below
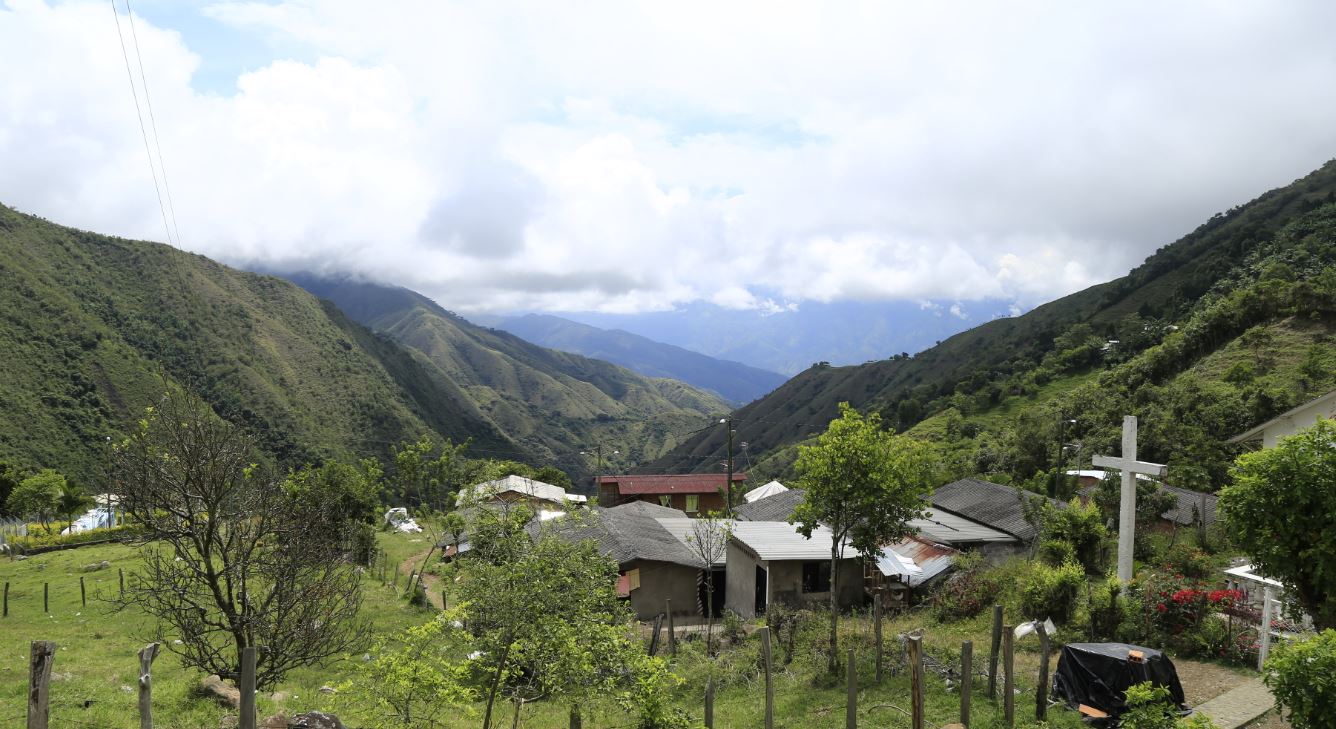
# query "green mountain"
(736, 382)
(92, 327)
(1217, 331)
(554, 404)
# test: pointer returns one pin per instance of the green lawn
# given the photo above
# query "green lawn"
(96, 664)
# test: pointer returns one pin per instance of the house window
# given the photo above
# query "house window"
(816, 576)
(666, 500)
(693, 504)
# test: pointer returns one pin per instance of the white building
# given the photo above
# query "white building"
(1290, 422)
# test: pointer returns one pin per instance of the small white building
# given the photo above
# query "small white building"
(1290, 422)
(513, 489)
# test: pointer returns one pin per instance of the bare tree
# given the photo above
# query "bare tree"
(708, 543)
(231, 559)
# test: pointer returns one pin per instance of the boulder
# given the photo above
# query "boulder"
(315, 720)
(221, 691)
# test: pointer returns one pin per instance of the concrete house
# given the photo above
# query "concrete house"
(693, 493)
(771, 563)
(655, 566)
(1290, 422)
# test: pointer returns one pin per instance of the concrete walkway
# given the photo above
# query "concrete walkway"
(1240, 705)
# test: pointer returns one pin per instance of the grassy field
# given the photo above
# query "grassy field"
(96, 665)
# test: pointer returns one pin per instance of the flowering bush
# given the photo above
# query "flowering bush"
(1185, 615)
(965, 595)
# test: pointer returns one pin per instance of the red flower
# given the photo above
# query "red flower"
(1162, 607)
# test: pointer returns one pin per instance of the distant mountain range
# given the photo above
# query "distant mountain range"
(552, 404)
(790, 340)
(93, 328)
(738, 383)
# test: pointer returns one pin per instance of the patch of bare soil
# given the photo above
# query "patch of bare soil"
(431, 582)
(1205, 681)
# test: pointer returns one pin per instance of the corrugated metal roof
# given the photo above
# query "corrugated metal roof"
(987, 503)
(518, 484)
(772, 508)
(932, 559)
(684, 530)
(780, 541)
(687, 483)
(943, 526)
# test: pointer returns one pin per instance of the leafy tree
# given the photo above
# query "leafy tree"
(863, 483)
(1279, 512)
(71, 500)
(1299, 674)
(38, 496)
(10, 477)
(544, 610)
(1081, 526)
(416, 679)
(1152, 501)
(346, 497)
(232, 559)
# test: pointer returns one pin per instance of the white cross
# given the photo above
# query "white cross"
(1127, 510)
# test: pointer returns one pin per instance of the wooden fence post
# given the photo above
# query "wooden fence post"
(709, 703)
(851, 681)
(1008, 680)
(83, 592)
(916, 681)
(46, 598)
(1041, 691)
(39, 683)
(672, 634)
(246, 712)
(146, 656)
(6, 614)
(876, 618)
(576, 721)
(992, 654)
(966, 680)
(121, 573)
(769, 683)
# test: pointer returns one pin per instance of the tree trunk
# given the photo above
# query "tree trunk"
(833, 663)
(496, 684)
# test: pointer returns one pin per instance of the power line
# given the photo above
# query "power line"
(153, 122)
(153, 170)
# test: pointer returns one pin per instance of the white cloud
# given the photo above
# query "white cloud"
(634, 156)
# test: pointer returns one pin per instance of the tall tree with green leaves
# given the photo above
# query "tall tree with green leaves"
(10, 478)
(864, 484)
(37, 496)
(1279, 511)
(71, 500)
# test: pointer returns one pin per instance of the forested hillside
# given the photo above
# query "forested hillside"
(92, 327)
(556, 405)
(1222, 329)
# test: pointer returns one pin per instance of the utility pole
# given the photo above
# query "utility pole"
(728, 485)
(1058, 472)
(598, 459)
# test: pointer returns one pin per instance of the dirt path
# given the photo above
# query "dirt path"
(431, 582)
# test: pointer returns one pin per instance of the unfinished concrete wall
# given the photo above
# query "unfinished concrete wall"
(661, 581)
(740, 581)
(786, 585)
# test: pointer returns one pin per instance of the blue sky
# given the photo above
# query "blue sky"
(625, 156)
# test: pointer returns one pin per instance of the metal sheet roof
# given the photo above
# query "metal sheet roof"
(684, 530)
(780, 541)
(685, 483)
(987, 503)
(518, 484)
(943, 526)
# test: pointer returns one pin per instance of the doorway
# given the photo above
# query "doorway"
(761, 576)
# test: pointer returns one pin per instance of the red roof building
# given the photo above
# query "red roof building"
(694, 493)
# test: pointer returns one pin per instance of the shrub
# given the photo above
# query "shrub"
(1149, 707)
(1051, 592)
(1056, 552)
(1081, 527)
(1106, 608)
(1189, 561)
(968, 592)
(55, 539)
(1300, 675)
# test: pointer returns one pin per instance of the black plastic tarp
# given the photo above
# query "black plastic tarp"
(1098, 674)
